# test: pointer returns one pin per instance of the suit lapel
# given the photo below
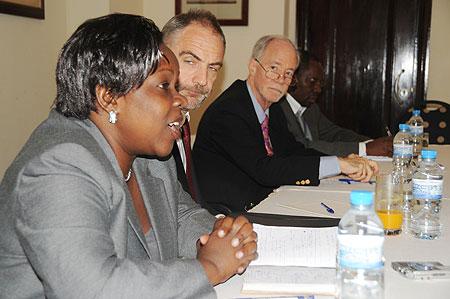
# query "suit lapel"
(133, 219)
(157, 205)
(292, 121)
(310, 118)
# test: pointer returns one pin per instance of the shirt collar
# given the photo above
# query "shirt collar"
(260, 113)
(295, 106)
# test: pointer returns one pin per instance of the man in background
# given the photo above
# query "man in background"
(312, 128)
(241, 154)
(199, 45)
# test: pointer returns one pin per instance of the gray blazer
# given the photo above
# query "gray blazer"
(68, 227)
(328, 138)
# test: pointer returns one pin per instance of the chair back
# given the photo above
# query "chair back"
(436, 118)
(436, 121)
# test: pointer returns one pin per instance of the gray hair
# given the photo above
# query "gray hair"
(198, 16)
(261, 44)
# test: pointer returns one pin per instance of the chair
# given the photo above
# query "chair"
(436, 120)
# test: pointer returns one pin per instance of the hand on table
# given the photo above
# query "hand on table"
(380, 147)
(358, 168)
(228, 249)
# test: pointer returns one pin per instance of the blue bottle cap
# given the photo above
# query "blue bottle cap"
(403, 126)
(428, 154)
(359, 197)
(416, 112)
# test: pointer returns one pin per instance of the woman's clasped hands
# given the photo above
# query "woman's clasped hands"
(228, 250)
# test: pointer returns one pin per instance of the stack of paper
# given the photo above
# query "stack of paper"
(293, 260)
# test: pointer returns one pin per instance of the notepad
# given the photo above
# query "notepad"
(296, 246)
(289, 280)
(293, 260)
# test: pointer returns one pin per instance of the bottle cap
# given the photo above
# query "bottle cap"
(359, 197)
(416, 112)
(428, 154)
(403, 126)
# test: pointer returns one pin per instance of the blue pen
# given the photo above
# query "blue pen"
(349, 181)
(329, 210)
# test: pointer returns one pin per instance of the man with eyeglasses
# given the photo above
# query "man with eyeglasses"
(312, 128)
(243, 149)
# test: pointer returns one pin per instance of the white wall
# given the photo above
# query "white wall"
(438, 76)
(28, 52)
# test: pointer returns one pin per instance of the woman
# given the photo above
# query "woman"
(86, 210)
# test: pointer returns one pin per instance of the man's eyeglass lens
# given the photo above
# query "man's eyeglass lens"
(275, 76)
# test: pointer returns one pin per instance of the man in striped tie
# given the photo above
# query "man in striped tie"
(243, 150)
(198, 43)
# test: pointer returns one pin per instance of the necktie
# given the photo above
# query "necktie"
(265, 131)
(186, 132)
(303, 125)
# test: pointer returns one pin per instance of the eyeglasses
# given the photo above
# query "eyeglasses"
(314, 82)
(272, 75)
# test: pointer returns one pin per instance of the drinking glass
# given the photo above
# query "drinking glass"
(389, 202)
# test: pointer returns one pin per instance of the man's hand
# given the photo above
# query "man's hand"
(358, 168)
(380, 147)
(228, 249)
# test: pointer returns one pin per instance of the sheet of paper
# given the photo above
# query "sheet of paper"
(273, 279)
(296, 246)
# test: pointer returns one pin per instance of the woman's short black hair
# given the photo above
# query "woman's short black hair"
(117, 51)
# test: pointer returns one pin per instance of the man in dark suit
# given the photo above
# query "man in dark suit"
(198, 43)
(312, 128)
(240, 156)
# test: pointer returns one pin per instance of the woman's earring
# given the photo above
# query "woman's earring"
(112, 117)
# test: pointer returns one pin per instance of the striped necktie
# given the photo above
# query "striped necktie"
(186, 132)
(265, 131)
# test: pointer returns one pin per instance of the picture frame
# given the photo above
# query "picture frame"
(227, 12)
(24, 8)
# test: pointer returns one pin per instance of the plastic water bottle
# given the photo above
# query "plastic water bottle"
(360, 271)
(427, 193)
(403, 148)
(416, 130)
(402, 171)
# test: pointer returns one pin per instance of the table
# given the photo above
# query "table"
(396, 248)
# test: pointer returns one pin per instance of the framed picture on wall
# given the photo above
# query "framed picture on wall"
(227, 12)
(24, 8)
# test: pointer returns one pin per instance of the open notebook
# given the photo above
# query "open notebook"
(293, 260)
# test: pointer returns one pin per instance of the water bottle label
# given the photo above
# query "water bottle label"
(404, 150)
(427, 189)
(360, 252)
(416, 130)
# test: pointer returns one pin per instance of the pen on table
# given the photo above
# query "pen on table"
(349, 181)
(329, 210)
(388, 132)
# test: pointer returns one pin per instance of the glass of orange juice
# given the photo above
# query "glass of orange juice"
(389, 203)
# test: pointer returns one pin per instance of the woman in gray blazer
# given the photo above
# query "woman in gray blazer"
(87, 209)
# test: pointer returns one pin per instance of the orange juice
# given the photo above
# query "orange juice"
(392, 220)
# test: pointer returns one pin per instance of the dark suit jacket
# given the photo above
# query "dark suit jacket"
(232, 165)
(327, 137)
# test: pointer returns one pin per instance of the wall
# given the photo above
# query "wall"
(438, 76)
(30, 47)
(27, 64)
